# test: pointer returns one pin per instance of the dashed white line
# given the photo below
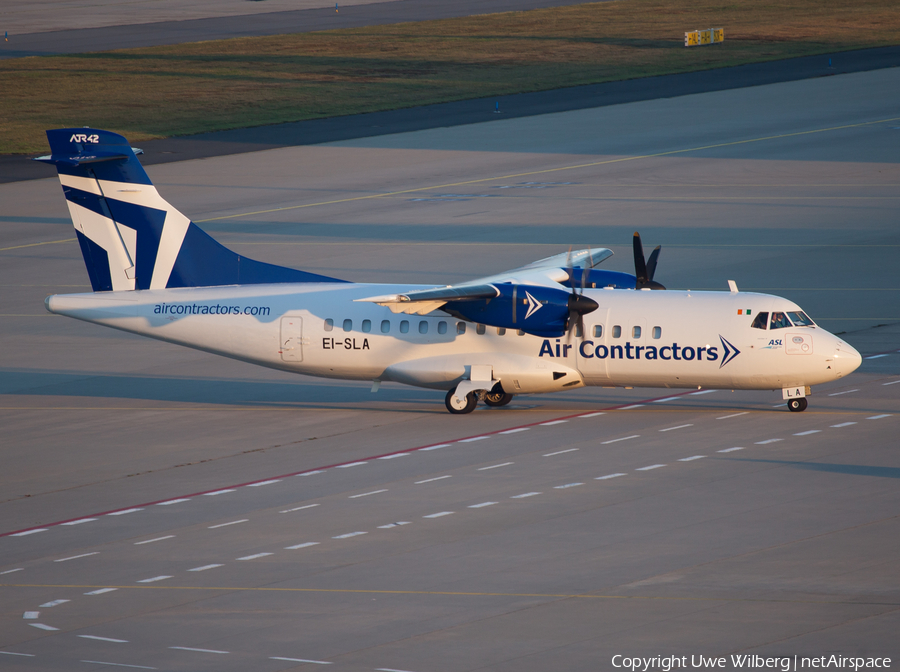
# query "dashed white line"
(874, 356)
(352, 464)
(13, 653)
(808, 432)
(733, 415)
(299, 508)
(474, 438)
(763, 443)
(348, 535)
(429, 480)
(204, 568)
(494, 466)
(233, 522)
(104, 639)
(304, 545)
(626, 408)
(154, 579)
(659, 401)
(391, 457)
(137, 667)
(188, 648)
(553, 422)
(523, 496)
(122, 513)
(844, 424)
(652, 466)
(694, 394)
(390, 525)
(779, 405)
(692, 458)
(100, 591)
(624, 438)
(54, 603)
(75, 557)
(27, 532)
(254, 556)
(41, 626)
(670, 429)
(311, 473)
(175, 501)
(10, 571)
(366, 494)
(589, 415)
(440, 445)
(560, 452)
(150, 541)
(440, 514)
(567, 485)
(218, 492)
(78, 522)
(879, 417)
(893, 382)
(31, 615)
(300, 660)
(608, 476)
(482, 505)
(388, 669)
(516, 430)
(729, 450)
(836, 394)
(261, 483)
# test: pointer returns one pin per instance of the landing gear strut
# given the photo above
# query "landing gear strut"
(457, 408)
(797, 405)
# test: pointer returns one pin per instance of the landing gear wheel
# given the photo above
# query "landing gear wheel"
(455, 407)
(499, 398)
(797, 405)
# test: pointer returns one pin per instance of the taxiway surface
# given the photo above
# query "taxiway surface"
(173, 510)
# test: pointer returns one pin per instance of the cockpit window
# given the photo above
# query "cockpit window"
(761, 320)
(779, 321)
(800, 319)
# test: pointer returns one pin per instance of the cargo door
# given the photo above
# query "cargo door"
(292, 339)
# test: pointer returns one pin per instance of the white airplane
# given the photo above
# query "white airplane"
(556, 324)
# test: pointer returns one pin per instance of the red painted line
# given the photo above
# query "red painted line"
(337, 464)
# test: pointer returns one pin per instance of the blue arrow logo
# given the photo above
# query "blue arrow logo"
(730, 351)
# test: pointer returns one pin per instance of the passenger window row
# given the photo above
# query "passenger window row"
(617, 331)
(423, 327)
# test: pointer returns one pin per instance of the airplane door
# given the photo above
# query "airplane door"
(592, 366)
(292, 339)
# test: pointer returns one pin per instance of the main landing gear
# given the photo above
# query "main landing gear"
(797, 405)
(496, 397)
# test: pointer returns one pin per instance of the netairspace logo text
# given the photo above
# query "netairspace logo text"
(749, 661)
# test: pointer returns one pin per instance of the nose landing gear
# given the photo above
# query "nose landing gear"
(797, 405)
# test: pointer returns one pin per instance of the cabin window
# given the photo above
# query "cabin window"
(348, 325)
(367, 326)
(657, 332)
(598, 331)
(578, 331)
(635, 332)
(617, 331)
(501, 331)
(385, 326)
(779, 321)
(404, 327)
(519, 332)
(442, 327)
(760, 321)
(460, 327)
(329, 324)
(423, 327)
(800, 319)
(479, 329)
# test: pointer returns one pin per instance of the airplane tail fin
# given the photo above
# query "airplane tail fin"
(130, 237)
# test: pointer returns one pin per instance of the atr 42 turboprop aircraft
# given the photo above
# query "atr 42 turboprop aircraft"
(556, 324)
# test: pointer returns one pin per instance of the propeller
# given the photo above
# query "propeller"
(578, 303)
(644, 271)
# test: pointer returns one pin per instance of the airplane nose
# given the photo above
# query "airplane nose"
(846, 358)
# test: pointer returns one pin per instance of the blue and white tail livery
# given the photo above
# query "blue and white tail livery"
(555, 324)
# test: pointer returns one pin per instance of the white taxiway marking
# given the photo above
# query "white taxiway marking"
(692, 458)
(835, 394)
(874, 356)
(75, 557)
(390, 457)
(188, 648)
(352, 464)
(762, 443)
(603, 478)
(625, 408)
(879, 417)
(13, 653)
(79, 522)
(567, 485)
(553, 422)
(494, 466)
(122, 513)
(53, 603)
(254, 556)
(808, 432)
(175, 501)
(779, 405)
(560, 452)
(390, 525)
(155, 579)
(100, 591)
(893, 382)
(588, 415)
(233, 522)
(150, 541)
(310, 473)
(204, 568)
(217, 492)
(10, 571)
(104, 639)
(348, 535)
(299, 508)
(137, 667)
(366, 494)
(694, 394)
(624, 438)
(41, 626)
(256, 485)
(429, 480)
(27, 532)
(733, 415)
(439, 515)
(440, 445)
(844, 424)
(523, 496)
(31, 615)
(300, 660)
(388, 669)
(652, 466)
(659, 401)
(729, 450)
(669, 429)
(482, 505)
(474, 438)
(306, 545)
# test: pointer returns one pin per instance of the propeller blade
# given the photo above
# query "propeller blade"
(640, 267)
(651, 263)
